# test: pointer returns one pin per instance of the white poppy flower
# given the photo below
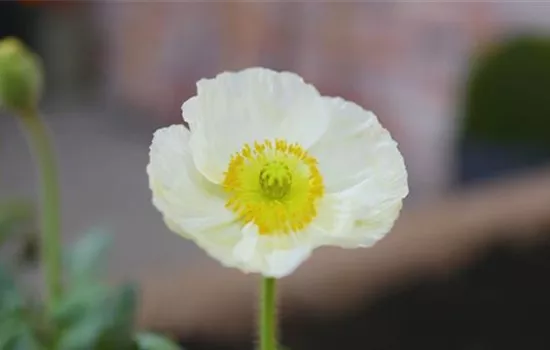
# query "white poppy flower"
(270, 169)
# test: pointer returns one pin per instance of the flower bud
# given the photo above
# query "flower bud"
(20, 76)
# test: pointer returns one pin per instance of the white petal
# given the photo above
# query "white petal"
(367, 227)
(244, 248)
(340, 222)
(344, 221)
(188, 202)
(174, 227)
(282, 263)
(255, 104)
(357, 149)
(334, 218)
(372, 225)
(364, 173)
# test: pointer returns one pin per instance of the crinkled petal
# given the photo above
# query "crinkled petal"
(355, 149)
(371, 225)
(278, 255)
(343, 220)
(334, 218)
(367, 227)
(174, 227)
(363, 171)
(255, 104)
(245, 249)
(189, 203)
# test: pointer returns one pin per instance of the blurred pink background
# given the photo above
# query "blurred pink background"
(404, 61)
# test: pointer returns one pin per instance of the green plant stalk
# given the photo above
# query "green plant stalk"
(268, 314)
(40, 144)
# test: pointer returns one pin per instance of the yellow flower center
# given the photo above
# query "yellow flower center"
(275, 185)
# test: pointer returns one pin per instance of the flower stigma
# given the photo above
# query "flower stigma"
(275, 180)
(274, 185)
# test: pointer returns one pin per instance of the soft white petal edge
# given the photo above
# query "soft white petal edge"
(244, 248)
(254, 104)
(357, 149)
(363, 171)
(186, 199)
(274, 255)
(367, 227)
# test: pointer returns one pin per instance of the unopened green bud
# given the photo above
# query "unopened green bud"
(20, 76)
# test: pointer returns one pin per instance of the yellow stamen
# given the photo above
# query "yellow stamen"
(275, 185)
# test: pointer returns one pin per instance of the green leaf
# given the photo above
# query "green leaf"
(79, 317)
(16, 332)
(149, 341)
(16, 335)
(10, 300)
(78, 304)
(87, 257)
(84, 334)
(97, 318)
(92, 315)
(119, 314)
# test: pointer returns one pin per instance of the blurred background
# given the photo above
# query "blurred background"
(463, 87)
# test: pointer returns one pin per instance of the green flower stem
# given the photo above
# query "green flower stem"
(40, 144)
(268, 315)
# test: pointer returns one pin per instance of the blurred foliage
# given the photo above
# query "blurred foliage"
(17, 224)
(508, 93)
(149, 341)
(91, 314)
(13, 216)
